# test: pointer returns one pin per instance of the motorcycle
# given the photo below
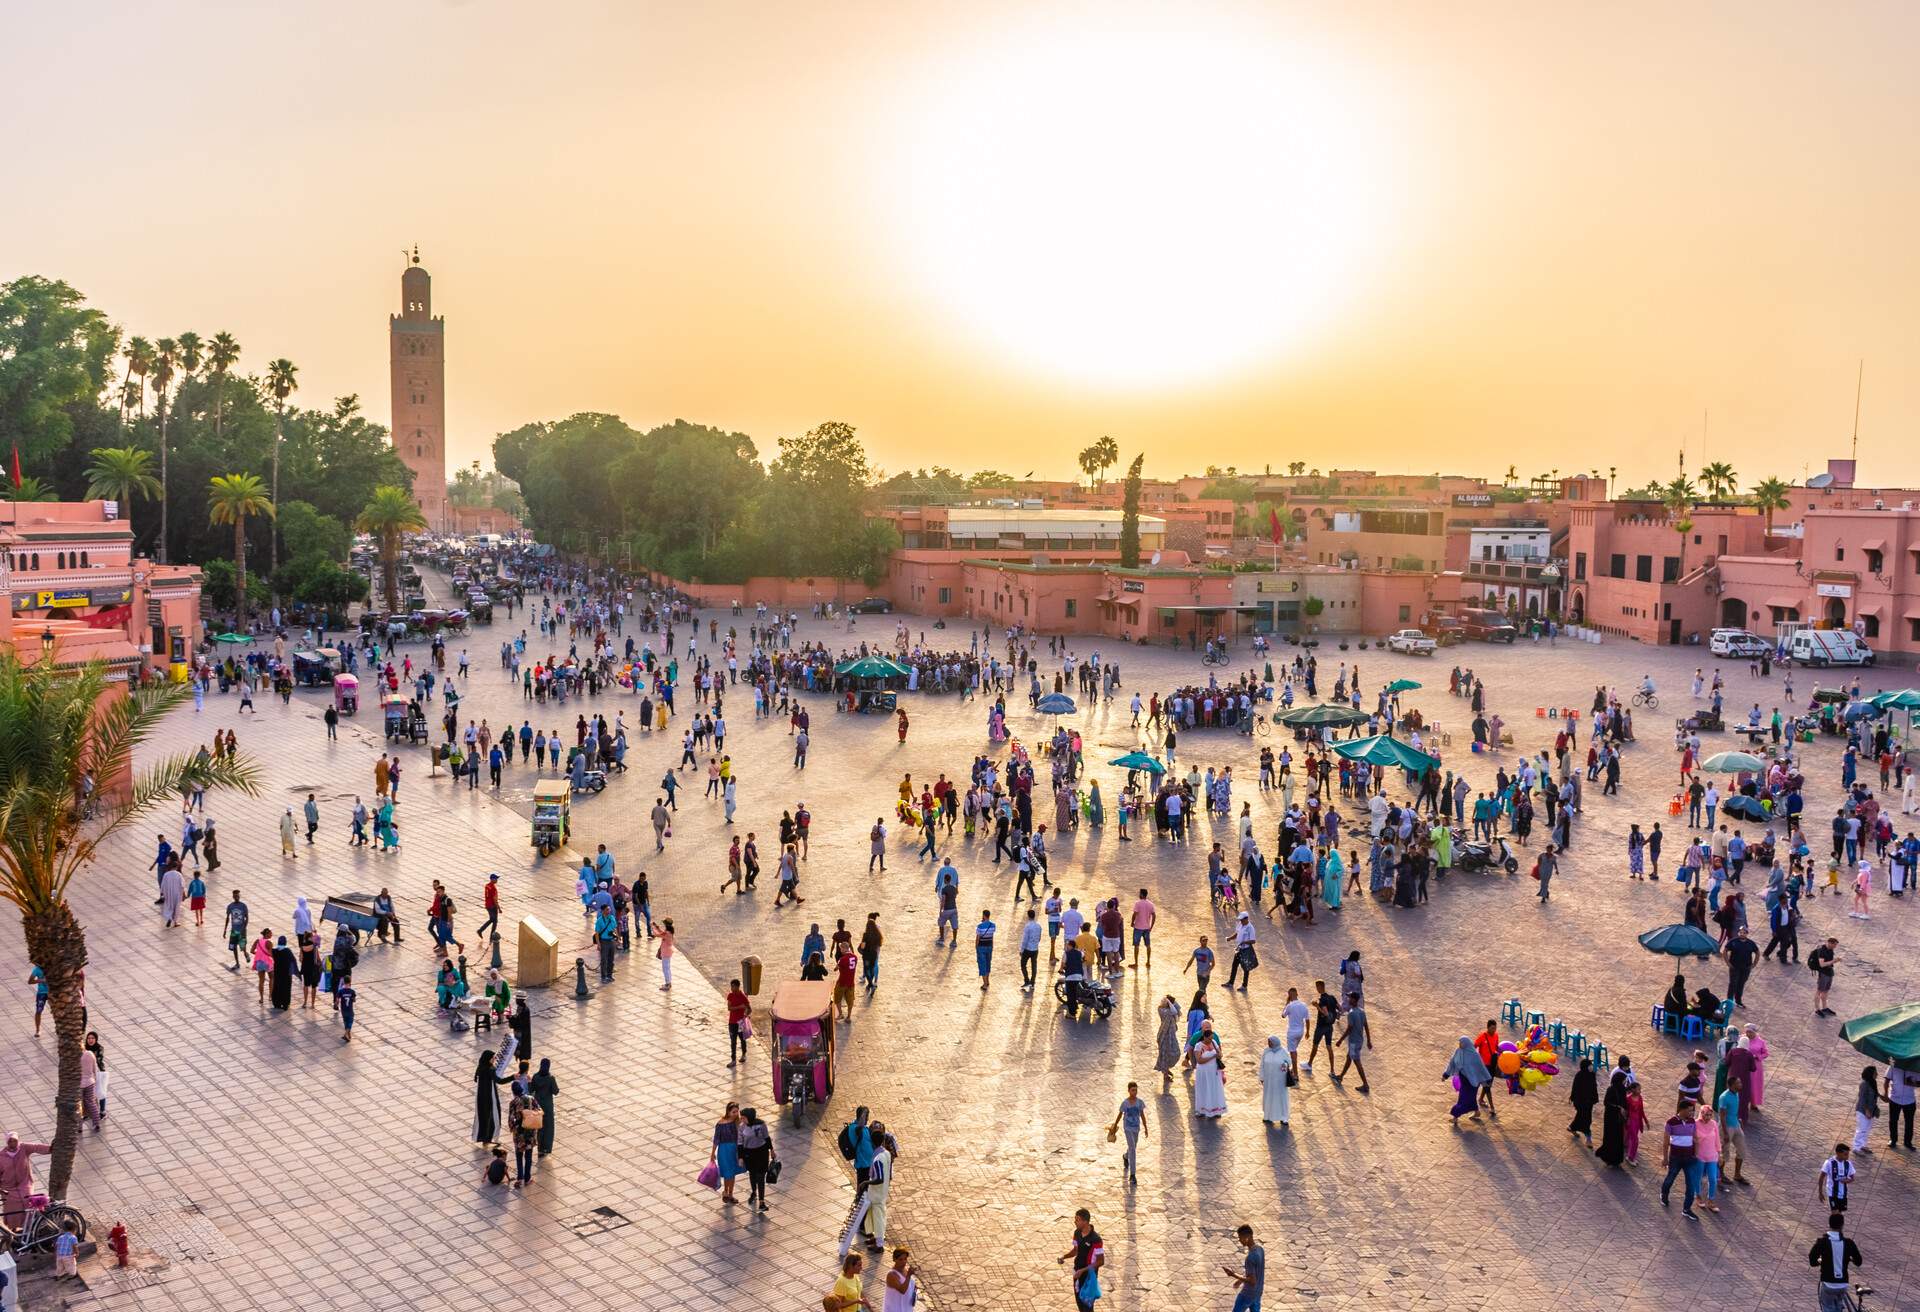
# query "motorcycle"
(1095, 995)
(1472, 854)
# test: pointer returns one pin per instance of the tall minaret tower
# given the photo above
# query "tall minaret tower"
(419, 345)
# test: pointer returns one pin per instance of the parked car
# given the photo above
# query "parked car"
(1445, 630)
(1412, 642)
(871, 606)
(1821, 647)
(1488, 626)
(1738, 642)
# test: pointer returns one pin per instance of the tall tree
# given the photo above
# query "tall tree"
(280, 380)
(234, 499)
(120, 473)
(28, 488)
(1130, 516)
(1109, 454)
(139, 354)
(1719, 480)
(58, 728)
(56, 355)
(389, 517)
(166, 353)
(1771, 494)
(222, 354)
(1089, 461)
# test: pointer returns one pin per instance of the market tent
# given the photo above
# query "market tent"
(1308, 717)
(1384, 749)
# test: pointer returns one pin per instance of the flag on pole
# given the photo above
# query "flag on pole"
(16, 464)
(1273, 525)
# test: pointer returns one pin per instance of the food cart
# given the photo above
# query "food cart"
(346, 693)
(552, 821)
(802, 1043)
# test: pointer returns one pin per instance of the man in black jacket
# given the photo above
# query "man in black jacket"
(1833, 1253)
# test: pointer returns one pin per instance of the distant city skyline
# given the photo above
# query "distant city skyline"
(1445, 240)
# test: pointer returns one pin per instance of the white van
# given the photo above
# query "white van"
(1739, 643)
(1818, 647)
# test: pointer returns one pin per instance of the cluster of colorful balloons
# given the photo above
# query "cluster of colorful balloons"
(1528, 1064)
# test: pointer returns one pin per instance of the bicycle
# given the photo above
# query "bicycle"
(43, 1224)
(1254, 726)
(1646, 699)
(1214, 658)
(1856, 1298)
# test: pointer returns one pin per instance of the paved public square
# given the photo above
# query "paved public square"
(262, 1163)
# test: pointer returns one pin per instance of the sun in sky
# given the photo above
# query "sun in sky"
(1150, 203)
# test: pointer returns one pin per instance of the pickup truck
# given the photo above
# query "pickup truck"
(1413, 642)
(1445, 630)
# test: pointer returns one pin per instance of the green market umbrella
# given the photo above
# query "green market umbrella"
(1139, 761)
(1055, 703)
(1891, 1036)
(1733, 763)
(232, 637)
(869, 667)
(1383, 749)
(1680, 941)
(1403, 685)
(1903, 699)
(1308, 717)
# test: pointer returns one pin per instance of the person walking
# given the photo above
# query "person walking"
(1677, 1156)
(1276, 1068)
(725, 1150)
(1167, 1042)
(879, 1188)
(1358, 1032)
(756, 1155)
(1820, 962)
(1250, 1281)
(1900, 1087)
(664, 951)
(1131, 1118)
(1586, 1092)
(1833, 1253)
(1089, 1254)
(983, 946)
(739, 1009)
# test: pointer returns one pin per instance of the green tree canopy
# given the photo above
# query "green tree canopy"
(56, 356)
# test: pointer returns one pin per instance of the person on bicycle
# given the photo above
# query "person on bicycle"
(1646, 685)
(1833, 1253)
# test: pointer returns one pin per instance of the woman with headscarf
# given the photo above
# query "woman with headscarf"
(1275, 1066)
(1586, 1092)
(171, 890)
(1168, 1041)
(1675, 1003)
(1613, 1122)
(1758, 1047)
(1332, 874)
(309, 972)
(302, 917)
(1467, 1070)
(1209, 1085)
(486, 1099)
(1096, 809)
(543, 1087)
(756, 1154)
(283, 964)
(521, 1022)
(210, 844)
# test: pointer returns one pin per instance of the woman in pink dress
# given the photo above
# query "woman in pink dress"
(1862, 885)
(1758, 1047)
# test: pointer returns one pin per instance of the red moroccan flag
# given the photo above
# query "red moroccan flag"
(1273, 525)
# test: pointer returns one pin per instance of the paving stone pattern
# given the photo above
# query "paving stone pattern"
(344, 1172)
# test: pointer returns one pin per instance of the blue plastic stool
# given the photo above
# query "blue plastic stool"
(1510, 1012)
(1659, 1020)
(1557, 1034)
(1670, 1021)
(1576, 1045)
(1692, 1027)
(1536, 1018)
(1601, 1059)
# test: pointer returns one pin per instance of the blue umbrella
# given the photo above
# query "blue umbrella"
(1055, 703)
(1861, 711)
(1139, 761)
(1680, 941)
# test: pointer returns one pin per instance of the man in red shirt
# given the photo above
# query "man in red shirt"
(844, 966)
(738, 1009)
(490, 899)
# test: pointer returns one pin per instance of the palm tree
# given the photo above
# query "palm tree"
(120, 473)
(28, 489)
(222, 355)
(233, 499)
(1296, 467)
(280, 377)
(138, 353)
(1090, 462)
(1109, 454)
(1771, 494)
(390, 516)
(1678, 495)
(59, 728)
(1719, 480)
(193, 354)
(165, 353)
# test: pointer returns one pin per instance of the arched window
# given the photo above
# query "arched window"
(84, 562)
(60, 560)
(36, 560)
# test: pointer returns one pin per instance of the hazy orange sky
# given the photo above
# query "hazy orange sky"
(1406, 237)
